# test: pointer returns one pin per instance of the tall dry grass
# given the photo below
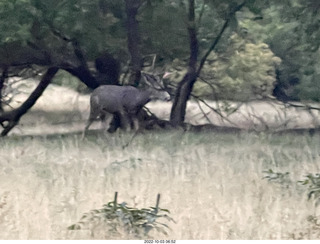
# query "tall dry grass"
(212, 184)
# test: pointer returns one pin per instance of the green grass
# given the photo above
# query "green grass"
(216, 186)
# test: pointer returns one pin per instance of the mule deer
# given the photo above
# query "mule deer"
(124, 101)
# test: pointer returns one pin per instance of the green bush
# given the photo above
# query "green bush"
(116, 218)
(245, 71)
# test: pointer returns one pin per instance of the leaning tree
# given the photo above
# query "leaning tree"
(62, 35)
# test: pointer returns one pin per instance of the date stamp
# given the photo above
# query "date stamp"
(159, 241)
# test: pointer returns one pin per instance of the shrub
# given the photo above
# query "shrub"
(115, 219)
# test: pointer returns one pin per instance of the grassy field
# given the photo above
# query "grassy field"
(213, 184)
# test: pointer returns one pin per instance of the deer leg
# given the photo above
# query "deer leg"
(90, 120)
(93, 115)
(115, 123)
(125, 121)
(135, 123)
(105, 118)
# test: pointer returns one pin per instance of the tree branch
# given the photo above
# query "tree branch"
(132, 7)
(13, 117)
(3, 78)
(216, 41)
(81, 71)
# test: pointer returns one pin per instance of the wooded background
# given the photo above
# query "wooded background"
(236, 50)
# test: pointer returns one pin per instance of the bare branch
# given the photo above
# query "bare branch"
(216, 41)
(13, 117)
(305, 106)
(201, 11)
(217, 111)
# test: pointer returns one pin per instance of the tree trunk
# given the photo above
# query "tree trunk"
(82, 72)
(132, 7)
(3, 78)
(80, 68)
(184, 89)
(13, 117)
(84, 75)
(182, 95)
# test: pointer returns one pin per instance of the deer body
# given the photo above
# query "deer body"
(122, 101)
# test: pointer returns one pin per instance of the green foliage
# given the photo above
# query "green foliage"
(244, 71)
(163, 30)
(313, 183)
(84, 21)
(247, 71)
(309, 87)
(281, 179)
(290, 28)
(115, 218)
(15, 21)
(39, 22)
(276, 176)
(243, 65)
(164, 27)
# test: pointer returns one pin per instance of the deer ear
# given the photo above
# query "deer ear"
(166, 75)
(149, 79)
(155, 81)
(146, 78)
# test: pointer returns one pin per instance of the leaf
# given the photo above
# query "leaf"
(74, 227)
